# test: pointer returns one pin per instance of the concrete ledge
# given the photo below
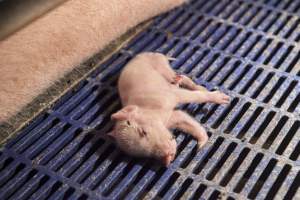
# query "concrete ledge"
(45, 100)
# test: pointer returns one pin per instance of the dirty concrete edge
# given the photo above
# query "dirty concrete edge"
(53, 93)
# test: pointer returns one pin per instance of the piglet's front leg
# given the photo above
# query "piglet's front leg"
(184, 122)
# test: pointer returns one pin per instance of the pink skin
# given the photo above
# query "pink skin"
(149, 92)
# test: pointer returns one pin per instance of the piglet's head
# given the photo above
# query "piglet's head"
(127, 129)
(138, 133)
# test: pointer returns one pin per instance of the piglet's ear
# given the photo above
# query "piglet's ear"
(120, 115)
(130, 108)
(124, 113)
(111, 134)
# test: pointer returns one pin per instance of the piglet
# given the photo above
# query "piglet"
(150, 90)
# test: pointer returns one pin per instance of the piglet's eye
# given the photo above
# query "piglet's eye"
(128, 123)
(144, 132)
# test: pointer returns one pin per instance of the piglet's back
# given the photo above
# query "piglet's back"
(139, 77)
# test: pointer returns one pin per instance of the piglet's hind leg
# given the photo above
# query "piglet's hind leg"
(188, 96)
(163, 67)
(184, 122)
(188, 83)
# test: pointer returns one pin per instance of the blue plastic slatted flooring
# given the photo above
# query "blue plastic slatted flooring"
(248, 49)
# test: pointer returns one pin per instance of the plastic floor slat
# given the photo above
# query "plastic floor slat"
(248, 49)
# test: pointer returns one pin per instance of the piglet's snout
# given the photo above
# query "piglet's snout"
(167, 160)
(170, 153)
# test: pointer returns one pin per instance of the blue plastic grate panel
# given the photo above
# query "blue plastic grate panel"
(248, 49)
